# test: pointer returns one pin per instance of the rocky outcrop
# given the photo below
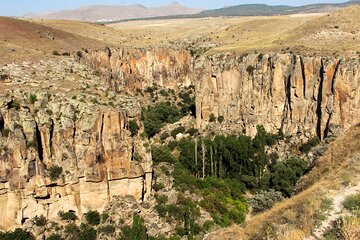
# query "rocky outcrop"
(283, 92)
(140, 68)
(90, 142)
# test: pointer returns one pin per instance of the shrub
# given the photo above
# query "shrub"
(162, 154)
(55, 172)
(250, 69)
(176, 131)
(212, 118)
(106, 230)
(39, 221)
(68, 216)
(221, 119)
(192, 131)
(72, 231)
(137, 231)
(164, 136)
(104, 217)
(5, 132)
(54, 237)
(161, 198)
(265, 200)
(87, 232)
(306, 147)
(93, 218)
(79, 54)
(158, 186)
(156, 116)
(14, 103)
(352, 202)
(56, 53)
(32, 98)
(17, 234)
(133, 127)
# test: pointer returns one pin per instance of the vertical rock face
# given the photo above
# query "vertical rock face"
(291, 93)
(140, 68)
(92, 145)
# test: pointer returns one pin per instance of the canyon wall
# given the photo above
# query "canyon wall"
(140, 68)
(92, 145)
(304, 95)
(283, 92)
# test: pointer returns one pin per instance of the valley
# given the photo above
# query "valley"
(208, 128)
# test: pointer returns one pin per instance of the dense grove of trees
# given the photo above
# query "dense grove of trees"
(221, 168)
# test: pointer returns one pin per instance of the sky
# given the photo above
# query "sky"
(22, 7)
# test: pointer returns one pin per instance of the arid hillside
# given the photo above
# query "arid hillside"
(25, 40)
(334, 177)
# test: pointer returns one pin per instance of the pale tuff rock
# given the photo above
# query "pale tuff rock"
(307, 95)
(90, 141)
(291, 93)
(140, 68)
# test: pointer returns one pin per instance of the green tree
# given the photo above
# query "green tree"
(137, 231)
(133, 127)
(93, 218)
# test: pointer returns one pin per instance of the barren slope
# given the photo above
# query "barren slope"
(296, 218)
(23, 40)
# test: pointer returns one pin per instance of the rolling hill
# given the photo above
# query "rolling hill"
(112, 13)
(25, 40)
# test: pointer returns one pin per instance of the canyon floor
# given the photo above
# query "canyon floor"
(212, 128)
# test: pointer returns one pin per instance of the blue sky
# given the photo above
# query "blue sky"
(21, 7)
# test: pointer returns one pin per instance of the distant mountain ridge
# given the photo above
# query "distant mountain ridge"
(104, 13)
(263, 10)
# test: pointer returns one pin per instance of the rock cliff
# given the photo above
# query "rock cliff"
(90, 142)
(304, 95)
(140, 68)
(284, 92)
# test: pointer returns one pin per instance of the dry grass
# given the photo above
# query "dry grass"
(350, 228)
(23, 40)
(298, 216)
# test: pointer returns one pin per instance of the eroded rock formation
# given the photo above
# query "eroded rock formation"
(89, 141)
(140, 68)
(291, 93)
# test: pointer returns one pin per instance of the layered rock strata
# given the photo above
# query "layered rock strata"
(89, 141)
(141, 68)
(282, 92)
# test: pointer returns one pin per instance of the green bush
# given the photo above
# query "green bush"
(72, 231)
(352, 202)
(265, 200)
(221, 119)
(5, 132)
(17, 234)
(106, 230)
(93, 218)
(137, 231)
(284, 175)
(162, 154)
(192, 131)
(104, 217)
(306, 147)
(134, 128)
(55, 172)
(161, 198)
(176, 131)
(156, 116)
(68, 216)
(54, 237)
(87, 232)
(39, 221)
(32, 98)
(212, 118)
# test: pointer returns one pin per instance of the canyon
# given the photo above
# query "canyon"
(300, 96)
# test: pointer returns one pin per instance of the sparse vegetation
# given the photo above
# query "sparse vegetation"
(306, 147)
(39, 221)
(32, 98)
(68, 216)
(133, 127)
(54, 172)
(93, 218)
